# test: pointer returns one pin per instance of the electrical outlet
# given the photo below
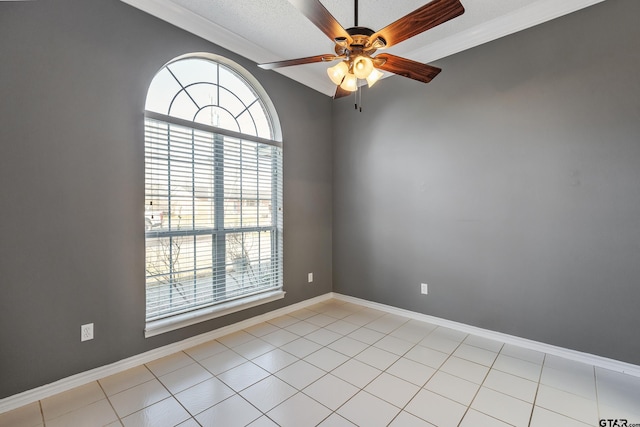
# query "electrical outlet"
(86, 332)
(310, 277)
(424, 288)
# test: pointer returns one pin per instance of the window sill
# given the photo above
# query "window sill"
(161, 326)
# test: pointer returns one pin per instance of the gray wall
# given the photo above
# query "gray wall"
(73, 81)
(510, 184)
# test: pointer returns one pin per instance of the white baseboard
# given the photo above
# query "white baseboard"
(591, 359)
(68, 383)
(65, 384)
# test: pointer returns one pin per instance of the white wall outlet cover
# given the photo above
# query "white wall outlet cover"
(86, 332)
(424, 288)
(310, 277)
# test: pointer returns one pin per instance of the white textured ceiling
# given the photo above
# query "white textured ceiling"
(273, 30)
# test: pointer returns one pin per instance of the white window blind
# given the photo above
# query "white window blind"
(213, 209)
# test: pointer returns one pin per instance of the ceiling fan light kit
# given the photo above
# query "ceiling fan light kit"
(362, 66)
(355, 46)
(374, 77)
(349, 83)
(337, 72)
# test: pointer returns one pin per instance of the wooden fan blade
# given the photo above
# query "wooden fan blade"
(290, 62)
(407, 68)
(321, 18)
(428, 16)
(340, 93)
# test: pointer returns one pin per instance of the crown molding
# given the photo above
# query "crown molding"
(201, 27)
(518, 20)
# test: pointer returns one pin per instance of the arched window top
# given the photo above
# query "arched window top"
(213, 193)
(214, 91)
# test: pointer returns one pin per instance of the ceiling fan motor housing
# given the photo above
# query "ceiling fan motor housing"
(360, 41)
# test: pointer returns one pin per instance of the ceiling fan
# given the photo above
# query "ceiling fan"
(355, 46)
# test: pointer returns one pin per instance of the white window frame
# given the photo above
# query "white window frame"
(211, 310)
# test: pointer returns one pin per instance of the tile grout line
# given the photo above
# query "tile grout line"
(362, 389)
(480, 386)
(535, 397)
(299, 359)
(301, 391)
(383, 371)
(271, 374)
(595, 384)
(435, 372)
(171, 395)
(41, 412)
(420, 388)
(109, 401)
(568, 392)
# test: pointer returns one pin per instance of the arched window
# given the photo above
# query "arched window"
(213, 193)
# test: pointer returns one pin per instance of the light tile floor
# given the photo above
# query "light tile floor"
(340, 364)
